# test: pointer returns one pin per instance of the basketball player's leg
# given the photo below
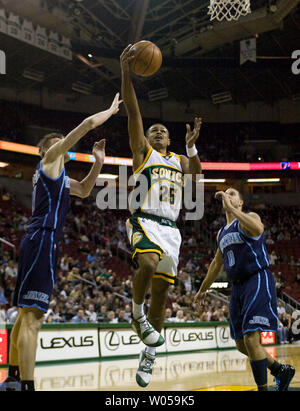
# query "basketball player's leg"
(13, 344)
(12, 382)
(159, 295)
(156, 315)
(147, 263)
(32, 320)
(240, 345)
(258, 359)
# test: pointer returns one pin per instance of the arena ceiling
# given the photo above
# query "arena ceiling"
(201, 58)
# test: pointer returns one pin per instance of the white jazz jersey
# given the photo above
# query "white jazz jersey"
(158, 188)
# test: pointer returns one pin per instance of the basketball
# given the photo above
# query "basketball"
(147, 60)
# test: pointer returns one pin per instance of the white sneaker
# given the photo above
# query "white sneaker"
(144, 372)
(146, 332)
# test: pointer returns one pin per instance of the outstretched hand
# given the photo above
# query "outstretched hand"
(114, 108)
(192, 135)
(99, 150)
(226, 201)
(126, 57)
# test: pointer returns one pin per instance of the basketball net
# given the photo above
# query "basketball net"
(228, 9)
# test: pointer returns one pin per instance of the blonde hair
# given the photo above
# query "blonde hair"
(44, 142)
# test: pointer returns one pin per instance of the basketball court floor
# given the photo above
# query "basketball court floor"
(225, 370)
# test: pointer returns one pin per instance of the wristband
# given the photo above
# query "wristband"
(191, 152)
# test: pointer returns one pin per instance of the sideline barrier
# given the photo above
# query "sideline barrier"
(94, 341)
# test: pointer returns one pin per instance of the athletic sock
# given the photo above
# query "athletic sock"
(151, 351)
(259, 370)
(27, 385)
(275, 368)
(14, 372)
(137, 310)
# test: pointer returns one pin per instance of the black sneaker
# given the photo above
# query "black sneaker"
(284, 377)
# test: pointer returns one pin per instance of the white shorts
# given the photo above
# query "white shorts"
(156, 235)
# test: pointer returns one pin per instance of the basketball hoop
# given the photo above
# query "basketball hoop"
(228, 9)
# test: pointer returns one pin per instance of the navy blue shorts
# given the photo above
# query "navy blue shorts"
(253, 305)
(38, 258)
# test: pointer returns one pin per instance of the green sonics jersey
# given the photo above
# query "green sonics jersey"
(158, 189)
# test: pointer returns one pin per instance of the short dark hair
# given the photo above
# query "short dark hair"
(44, 142)
(154, 124)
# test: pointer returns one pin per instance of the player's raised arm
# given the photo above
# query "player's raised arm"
(192, 164)
(250, 222)
(64, 145)
(83, 188)
(212, 273)
(138, 142)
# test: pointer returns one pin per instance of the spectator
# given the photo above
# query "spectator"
(91, 314)
(64, 263)
(280, 308)
(279, 284)
(189, 318)
(54, 316)
(168, 315)
(127, 314)
(102, 317)
(79, 318)
(273, 258)
(11, 270)
(121, 317)
(285, 322)
(179, 317)
(72, 276)
(111, 317)
(3, 300)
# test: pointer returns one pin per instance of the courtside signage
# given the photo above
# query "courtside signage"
(187, 339)
(117, 342)
(3, 346)
(267, 338)
(73, 344)
(223, 337)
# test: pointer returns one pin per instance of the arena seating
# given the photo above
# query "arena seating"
(195, 254)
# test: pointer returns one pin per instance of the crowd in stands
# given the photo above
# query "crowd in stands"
(94, 277)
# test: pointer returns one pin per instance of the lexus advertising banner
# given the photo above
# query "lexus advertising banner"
(68, 344)
(115, 342)
(187, 339)
(85, 343)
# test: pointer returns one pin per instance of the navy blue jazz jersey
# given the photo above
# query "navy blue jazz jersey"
(242, 255)
(253, 304)
(39, 247)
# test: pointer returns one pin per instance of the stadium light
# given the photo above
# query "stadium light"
(263, 180)
(212, 180)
